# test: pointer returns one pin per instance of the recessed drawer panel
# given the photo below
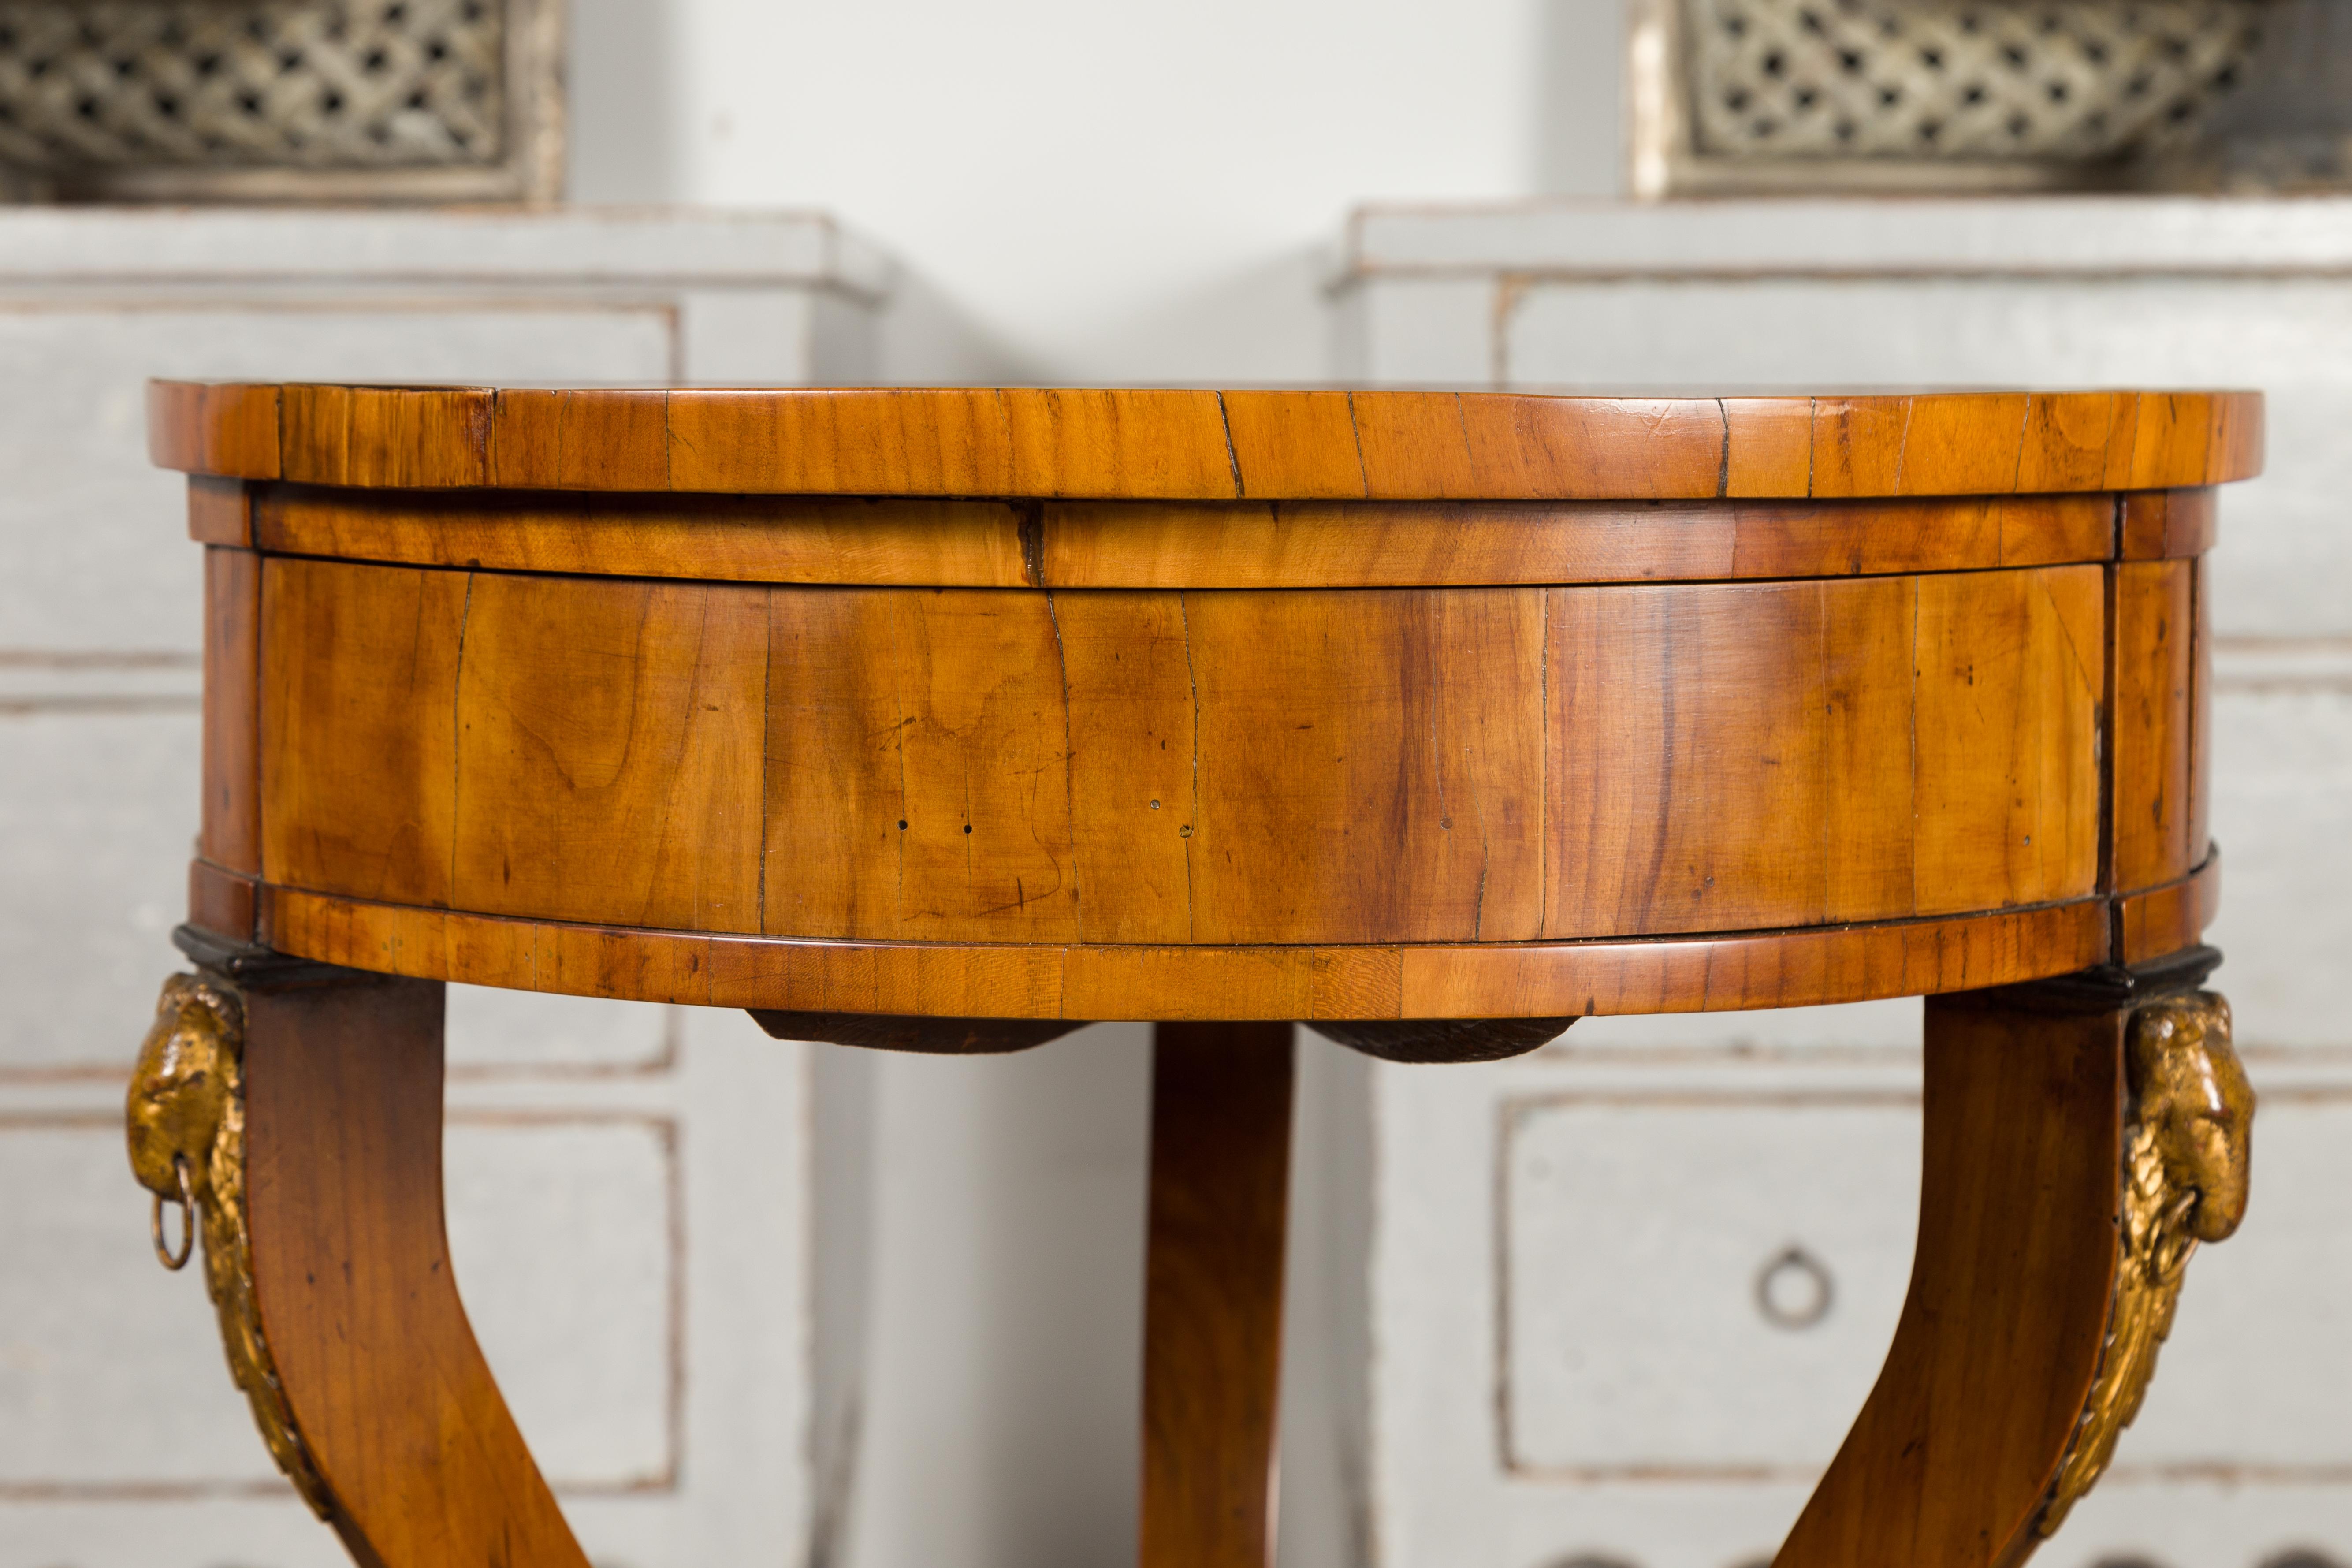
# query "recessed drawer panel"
(2281, 812)
(112, 1379)
(1700, 1287)
(98, 811)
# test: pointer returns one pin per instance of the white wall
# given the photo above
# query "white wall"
(1113, 191)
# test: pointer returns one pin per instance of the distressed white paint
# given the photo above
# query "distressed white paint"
(2283, 814)
(98, 811)
(1600, 1254)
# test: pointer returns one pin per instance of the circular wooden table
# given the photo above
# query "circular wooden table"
(950, 720)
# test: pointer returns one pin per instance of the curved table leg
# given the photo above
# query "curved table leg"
(326, 1257)
(2081, 1137)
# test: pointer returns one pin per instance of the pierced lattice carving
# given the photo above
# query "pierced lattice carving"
(1959, 79)
(305, 84)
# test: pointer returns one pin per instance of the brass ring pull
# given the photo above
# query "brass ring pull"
(1814, 1289)
(175, 1261)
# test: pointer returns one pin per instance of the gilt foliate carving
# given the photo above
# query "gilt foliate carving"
(185, 1119)
(2186, 1151)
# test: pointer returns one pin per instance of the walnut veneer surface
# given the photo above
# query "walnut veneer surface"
(945, 719)
(1192, 704)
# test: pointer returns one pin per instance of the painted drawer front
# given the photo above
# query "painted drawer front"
(1699, 1287)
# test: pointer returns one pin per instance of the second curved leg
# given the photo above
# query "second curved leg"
(2076, 1149)
(302, 1113)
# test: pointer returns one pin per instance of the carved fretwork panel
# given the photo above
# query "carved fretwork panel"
(1959, 79)
(280, 98)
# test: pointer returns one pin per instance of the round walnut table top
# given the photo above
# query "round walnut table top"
(1065, 705)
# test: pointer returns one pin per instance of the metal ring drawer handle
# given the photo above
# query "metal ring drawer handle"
(1793, 1290)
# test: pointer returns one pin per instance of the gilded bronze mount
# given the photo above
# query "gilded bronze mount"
(2186, 1152)
(185, 1119)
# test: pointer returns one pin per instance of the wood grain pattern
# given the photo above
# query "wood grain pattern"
(1094, 441)
(850, 443)
(1689, 776)
(2159, 525)
(1711, 975)
(2155, 637)
(1558, 448)
(1732, 757)
(2001, 1334)
(918, 767)
(1147, 544)
(1865, 738)
(1438, 980)
(393, 1401)
(1768, 445)
(2010, 669)
(1127, 660)
(984, 441)
(923, 1036)
(835, 787)
(1369, 766)
(1310, 544)
(915, 543)
(220, 512)
(229, 825)
(1179, 444)
(1329, 766)
(222, 902)
(2182, 439)
(396, 438)
(2167, 919)
(2200, 714)
(608, 757)
(561, 440)
(359, 707)
(1919, 445)
(1307, 437)
(226, 429)
(1221, 1097)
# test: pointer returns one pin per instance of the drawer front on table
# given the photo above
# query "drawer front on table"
(1242, 767)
